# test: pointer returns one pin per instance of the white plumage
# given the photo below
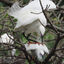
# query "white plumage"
(29, 21)
(9, 40)
(25, 17)
(39, 49)
(13, 52)
(6, 39)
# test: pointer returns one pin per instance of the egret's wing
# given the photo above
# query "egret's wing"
(36, 26)
(23, 15)
(42, 19)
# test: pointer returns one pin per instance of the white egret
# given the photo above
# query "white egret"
(29, 18)
(26, 18)
(39, 49)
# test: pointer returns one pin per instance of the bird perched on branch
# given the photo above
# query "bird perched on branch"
(32, 19)
(29, 17)
(40, 49)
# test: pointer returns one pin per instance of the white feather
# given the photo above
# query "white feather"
(39, 54)
(42, 52)
(25, 16)
(8, 39)
(13, 52)
(39, 49)
(14, 8)
(45, 49)
(42, 29)
(49, 3)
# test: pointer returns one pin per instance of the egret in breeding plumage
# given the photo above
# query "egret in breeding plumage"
(31, 20)
(26, 18)
(39, 48)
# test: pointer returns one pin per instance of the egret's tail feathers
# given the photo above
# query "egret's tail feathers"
(15, 7)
